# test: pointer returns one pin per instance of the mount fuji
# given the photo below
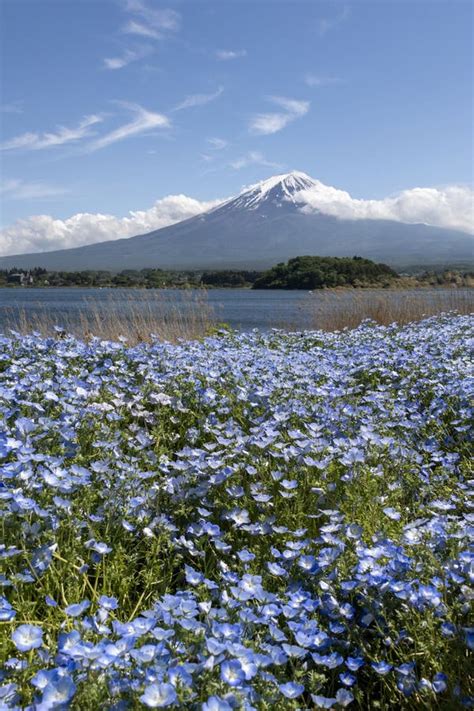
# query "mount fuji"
(268, 223)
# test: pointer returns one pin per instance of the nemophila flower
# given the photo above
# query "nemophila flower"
(245, 555)
(26, 637)
(77, 609)
(392, 513)
(323, 702)
(291, 689)
(99, 547)
(308, 563)
(193, 577)
(232, 672)
(439, 683)
(8, 695)
(469, 633)
(7, 612)
(216, 703)
(159, 696)
(108, 603)
(381, 668)
(57, 692)
(347, 679)
(344, 697)
(331, 661)
(276, 569)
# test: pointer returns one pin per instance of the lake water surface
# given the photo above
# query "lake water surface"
(242, 309)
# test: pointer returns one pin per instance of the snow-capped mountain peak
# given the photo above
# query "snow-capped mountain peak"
(277, 189)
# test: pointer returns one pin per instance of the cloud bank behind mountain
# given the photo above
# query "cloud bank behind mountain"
(450, 207)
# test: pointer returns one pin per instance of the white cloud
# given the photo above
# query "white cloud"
(265, 124)
(315, 80)
(326, 24)
(198, 100)
(144, 121)
(151, 22)
(451, 206)
(293, 106)
(218, 144)
(129, 56)
(42, 233)
(252, 158)
(15, 189)
(225, 55)
(138, 28)
(38, 141)
(268, 123)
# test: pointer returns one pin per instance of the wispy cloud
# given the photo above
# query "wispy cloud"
(16, 189)
(145, 22)
(198, 100)
(151, 22)
(138, 28)
(15, 107)
(39, 141)
(129, 56)
(253, 158)
(265, 124)
(294, 107)
(315, 80)
(224, 55)
(326, 24)
(144, 121)
(218, 144)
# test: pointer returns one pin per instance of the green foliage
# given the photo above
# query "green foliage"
(319, 272)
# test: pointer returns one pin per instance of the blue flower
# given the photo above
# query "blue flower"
(215, 703)
(58, 691)
(76, 609)
(232, 672)
(276, 569)
(439, 683)
(7, 612)
(381, 667)
(347, 679)
(27, 637)
(108, 603)
(291, 689)
(323, 702)
(344, 697)
(392, 513)
(159, 696)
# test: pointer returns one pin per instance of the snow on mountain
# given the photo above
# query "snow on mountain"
(278, 189)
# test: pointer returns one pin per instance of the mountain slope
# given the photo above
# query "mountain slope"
(260, 227)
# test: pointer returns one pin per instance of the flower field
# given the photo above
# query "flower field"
(252, 521)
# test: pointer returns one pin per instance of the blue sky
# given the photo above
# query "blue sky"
(200, 98)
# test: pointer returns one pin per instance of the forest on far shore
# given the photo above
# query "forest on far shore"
(305, 272)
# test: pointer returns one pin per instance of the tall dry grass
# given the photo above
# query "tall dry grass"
(347, 309)
(124, 317)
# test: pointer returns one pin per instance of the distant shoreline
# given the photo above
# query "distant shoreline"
(405, 286)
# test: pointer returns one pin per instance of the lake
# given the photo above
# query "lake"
(242, 309)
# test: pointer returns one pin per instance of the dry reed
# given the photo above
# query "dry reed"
(347, 309)
(188, 317)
